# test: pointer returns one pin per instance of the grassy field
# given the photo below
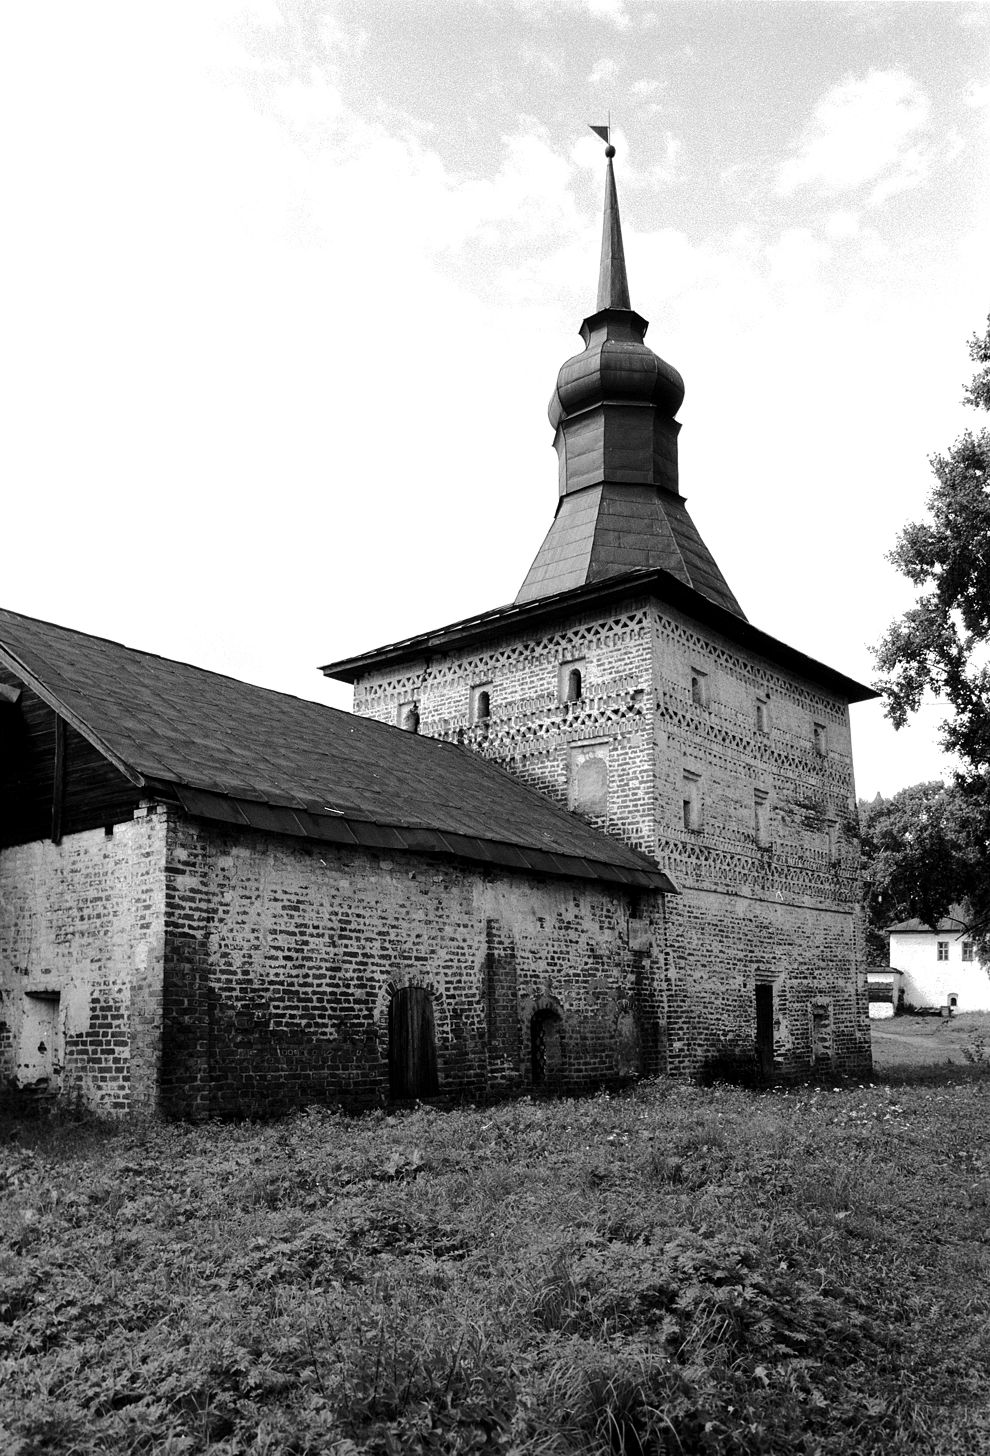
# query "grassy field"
(672, 1270)
(929, 1041)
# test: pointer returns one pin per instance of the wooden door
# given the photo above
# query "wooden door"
(412, 1047)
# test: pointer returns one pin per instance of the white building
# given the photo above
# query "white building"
(940, 967)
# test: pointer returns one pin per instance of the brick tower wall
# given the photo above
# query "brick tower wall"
(769, 860)
(770, 868)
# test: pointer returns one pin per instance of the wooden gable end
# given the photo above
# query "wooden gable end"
(52, 780)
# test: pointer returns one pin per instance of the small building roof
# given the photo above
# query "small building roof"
(248, 756)
(955, 923)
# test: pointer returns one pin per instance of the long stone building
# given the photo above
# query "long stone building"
(604, 831)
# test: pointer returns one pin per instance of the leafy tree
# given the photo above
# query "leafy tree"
(942, 643)
(919, 858)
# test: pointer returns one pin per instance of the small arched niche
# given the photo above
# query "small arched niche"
(546, 1048)
(571, 681)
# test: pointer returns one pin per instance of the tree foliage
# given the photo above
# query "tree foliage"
(942, 644)
(919, 858)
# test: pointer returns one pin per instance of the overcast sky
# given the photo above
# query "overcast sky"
(288, 284)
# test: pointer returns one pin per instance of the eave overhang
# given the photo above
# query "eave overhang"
(52, 700)
(350, 832)
(658, 584)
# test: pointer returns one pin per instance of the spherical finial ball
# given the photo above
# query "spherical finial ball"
(610, 151)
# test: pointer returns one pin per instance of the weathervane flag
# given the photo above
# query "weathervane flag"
(601, 131)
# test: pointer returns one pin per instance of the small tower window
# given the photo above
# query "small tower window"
(408, 717)
(763, 715)
(570, 682)
(832, 830)
(942, 950)
(691, 803)
(821, 739)
(481, 703)
(699, 688)
(761, 815)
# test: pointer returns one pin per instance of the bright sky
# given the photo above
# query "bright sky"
(288, 283)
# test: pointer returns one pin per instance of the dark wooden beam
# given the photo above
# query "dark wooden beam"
(58, 780)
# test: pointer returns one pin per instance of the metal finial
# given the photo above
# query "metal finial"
(613, 285)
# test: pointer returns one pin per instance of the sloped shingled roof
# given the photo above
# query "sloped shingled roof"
(245, 755)
(957, 922)
(610, 529)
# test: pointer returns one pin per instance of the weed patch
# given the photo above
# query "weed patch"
(714, 1271)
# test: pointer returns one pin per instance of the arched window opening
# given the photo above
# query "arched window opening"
(546, 1048)
(480, 707)
(412, 1044)
(570, 680)
(410, 719)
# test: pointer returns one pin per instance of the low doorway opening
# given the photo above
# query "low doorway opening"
(412, 1044)
(764, 1030)
(546, 1048)
(39, 1060)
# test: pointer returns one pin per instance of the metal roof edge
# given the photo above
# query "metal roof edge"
(353, 833)
(655, 581)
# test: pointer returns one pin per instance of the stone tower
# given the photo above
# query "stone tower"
(625, 682)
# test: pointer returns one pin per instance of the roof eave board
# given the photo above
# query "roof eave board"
(657, 583)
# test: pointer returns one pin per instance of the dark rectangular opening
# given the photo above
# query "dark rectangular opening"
(764, 1029)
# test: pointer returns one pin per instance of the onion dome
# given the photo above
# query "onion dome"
(615, 364)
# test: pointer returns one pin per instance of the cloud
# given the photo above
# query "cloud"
(978, 94)
(614, 11)
(842, 224)
(603, 72)
(866, 131)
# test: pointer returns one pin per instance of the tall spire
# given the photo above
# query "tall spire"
(613, 285)
(615, 432)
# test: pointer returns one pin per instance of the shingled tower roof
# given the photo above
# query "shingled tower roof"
(613, 411)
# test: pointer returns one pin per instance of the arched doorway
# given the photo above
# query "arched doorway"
(546, 1048)
(412, 1044)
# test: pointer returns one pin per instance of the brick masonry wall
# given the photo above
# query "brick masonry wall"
(530, 730)
(786, 911)
(282, 957)
(83, 922)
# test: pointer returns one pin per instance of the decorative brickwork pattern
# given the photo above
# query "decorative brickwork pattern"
(530, 731)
